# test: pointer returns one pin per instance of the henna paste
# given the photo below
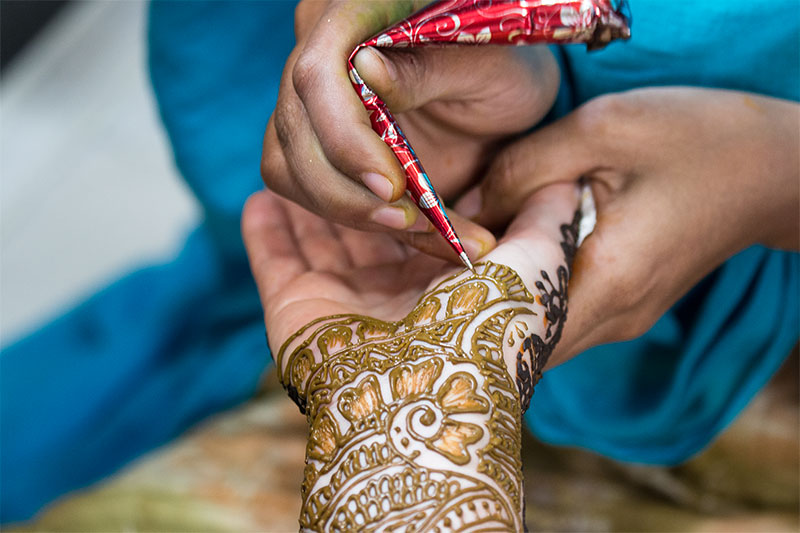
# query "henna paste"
(535, 351)
(415, 425)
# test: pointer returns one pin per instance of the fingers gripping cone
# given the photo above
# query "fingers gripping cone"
(477, 22)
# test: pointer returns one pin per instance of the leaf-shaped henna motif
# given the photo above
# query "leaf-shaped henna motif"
(362, 400)
(414, 380)
(453, 439)
(390, 404)
(459, 395)
(322, 438)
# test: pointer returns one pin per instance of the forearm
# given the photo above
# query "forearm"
(419, 421)
(416, 421)
(779, 201)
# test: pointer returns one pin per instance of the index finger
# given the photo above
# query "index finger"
(334, 110)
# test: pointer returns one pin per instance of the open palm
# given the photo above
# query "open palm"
(307, 268)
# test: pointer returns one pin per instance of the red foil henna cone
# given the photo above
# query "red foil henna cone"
(510, 22)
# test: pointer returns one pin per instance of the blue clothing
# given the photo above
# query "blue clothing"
(664, 396)
(159, 350)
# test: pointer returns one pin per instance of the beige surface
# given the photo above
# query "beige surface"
(242, 471)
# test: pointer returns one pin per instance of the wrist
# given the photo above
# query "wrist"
(419, 415)
(773, 193)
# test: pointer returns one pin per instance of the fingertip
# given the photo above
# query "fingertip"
(477, 241)
(261, 222)
(380, 185)
(375, 68)
(257, 214)
(470, 205)
(397, 177)
(251, 212)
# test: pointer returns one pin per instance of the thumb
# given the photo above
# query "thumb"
(409, 79)
(558, 153)
(480, 81)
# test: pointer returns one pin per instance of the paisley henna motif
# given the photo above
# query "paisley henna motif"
(415, 425)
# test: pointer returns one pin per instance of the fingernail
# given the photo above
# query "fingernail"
(391, 217)
(380, 185)
(470, 204)
(473, 247)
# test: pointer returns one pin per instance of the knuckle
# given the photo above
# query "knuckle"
(632, 327)
(274, 174)
(300, 19)
(502, 174)
(607, 116)
(268, 166)
(306, 73)
(306, 14)
(271, 159)
(285, 116)
(302, 12)
(252, 214)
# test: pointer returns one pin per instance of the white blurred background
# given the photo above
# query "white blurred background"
(88, 190)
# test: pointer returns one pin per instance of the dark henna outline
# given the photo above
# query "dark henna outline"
(535, 351)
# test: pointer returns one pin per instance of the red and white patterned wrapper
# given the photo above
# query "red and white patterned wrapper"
(472, 22)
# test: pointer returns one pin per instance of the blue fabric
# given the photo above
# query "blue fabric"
(125, 372)
(159, 350)
(664, 396)
(144, 359)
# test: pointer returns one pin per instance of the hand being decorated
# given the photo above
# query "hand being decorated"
(413, 374)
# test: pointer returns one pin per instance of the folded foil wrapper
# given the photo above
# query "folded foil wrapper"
(480, 22)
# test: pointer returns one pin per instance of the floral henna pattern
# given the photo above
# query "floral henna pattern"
(415, 425)
(535, 351)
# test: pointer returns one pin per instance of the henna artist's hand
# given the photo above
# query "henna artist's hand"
(454, 104)
(414, 392)
(683, 179)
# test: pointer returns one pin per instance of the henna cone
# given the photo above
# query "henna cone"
(510, 22)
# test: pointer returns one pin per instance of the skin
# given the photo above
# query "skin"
(452, 103)
(409, 400)
(709, 172)
(418, 404)
(683, 179)
(307, 267)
